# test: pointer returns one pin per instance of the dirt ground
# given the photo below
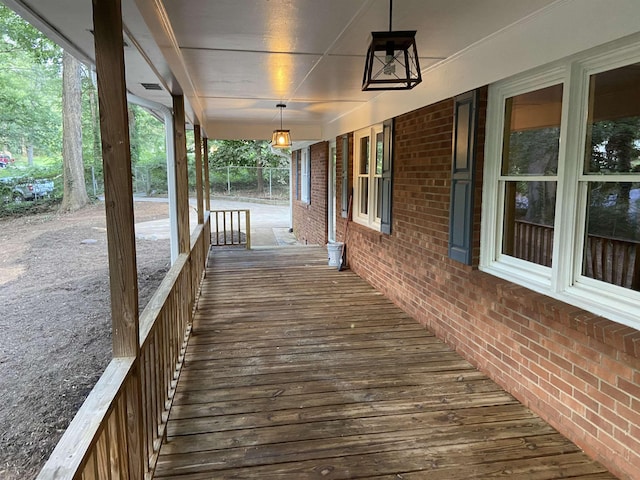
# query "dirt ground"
(55, 325)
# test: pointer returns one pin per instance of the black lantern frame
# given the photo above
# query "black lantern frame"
(392, 60)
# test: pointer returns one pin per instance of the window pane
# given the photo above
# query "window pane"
(613, 128)
(379, 152)
(364, 195)
(378, 197)
(528, 221)
(364, 155)
(532, 132)
(612, 243)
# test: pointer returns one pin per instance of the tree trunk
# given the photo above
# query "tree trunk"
(95, 120)
(259, 175)
(75, 190)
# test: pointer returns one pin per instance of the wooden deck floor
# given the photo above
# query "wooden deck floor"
(298, 371)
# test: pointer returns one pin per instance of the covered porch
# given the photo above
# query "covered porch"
(276, 365)
(296, 370)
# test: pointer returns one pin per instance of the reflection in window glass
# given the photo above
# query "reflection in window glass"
(379, 152)
(612, 241)
(378, 180)
(364, 155)
(528, 221)
(364, 195)
(613, 129)
(531, 148)
(532, 132)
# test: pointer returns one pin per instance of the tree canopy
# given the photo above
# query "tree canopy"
(245, 153)
(30, 87)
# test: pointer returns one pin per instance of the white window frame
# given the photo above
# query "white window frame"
(305, 176)
(564, 280)
(368, 219)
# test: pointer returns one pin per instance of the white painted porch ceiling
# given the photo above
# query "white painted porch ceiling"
(236, 59)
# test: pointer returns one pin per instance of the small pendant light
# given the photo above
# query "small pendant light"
(281, 138)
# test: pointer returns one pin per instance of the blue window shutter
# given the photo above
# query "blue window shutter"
(345, 176)
(462, 177)
(387, 177)
(296, 155)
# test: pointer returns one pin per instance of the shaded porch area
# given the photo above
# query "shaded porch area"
(295, 370)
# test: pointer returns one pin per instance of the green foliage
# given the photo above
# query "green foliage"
(245, 153)
(30, 88)
(20, 37)
(613, 206)
(534, 152)
(615, 146)
(147, 135)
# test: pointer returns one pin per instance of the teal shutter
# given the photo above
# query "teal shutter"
(462, 177)
(387, 177)
(296, 156)
(345, 176)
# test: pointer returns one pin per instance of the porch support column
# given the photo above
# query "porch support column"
(182, 176)
(199, 193)
(207, 180)
(118, 191)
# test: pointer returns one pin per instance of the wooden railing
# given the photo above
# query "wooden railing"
(228, 228)
(118, 431)
(609, 259)
(613, 260)
(533, 242)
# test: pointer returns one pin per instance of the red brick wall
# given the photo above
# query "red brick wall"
(310, 219)
(578, 371)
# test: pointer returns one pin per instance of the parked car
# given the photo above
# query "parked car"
(20, 189)
(5, 160)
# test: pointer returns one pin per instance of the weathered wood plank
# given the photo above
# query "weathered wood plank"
(197, 141)
(295, 370)
(118, 184)
(207, 180)
(349, 452)
(182, 178)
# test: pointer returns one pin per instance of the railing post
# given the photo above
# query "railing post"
(199, 193)
(248, 228)
(207, 180)
(182, 177)
(118, 193)
(635, 278)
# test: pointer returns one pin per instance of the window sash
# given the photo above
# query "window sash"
(564, 280)
(306, 176)
(367, 190)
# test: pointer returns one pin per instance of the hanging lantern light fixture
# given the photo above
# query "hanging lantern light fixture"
(281, 138)
(392, 60)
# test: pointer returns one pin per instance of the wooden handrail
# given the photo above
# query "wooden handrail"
(533, 242)
(135, 394)
(228, 228)
(612, 260)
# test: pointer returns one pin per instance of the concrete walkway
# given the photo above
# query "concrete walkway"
(269, 223)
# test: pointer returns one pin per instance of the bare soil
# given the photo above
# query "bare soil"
(55, 323)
